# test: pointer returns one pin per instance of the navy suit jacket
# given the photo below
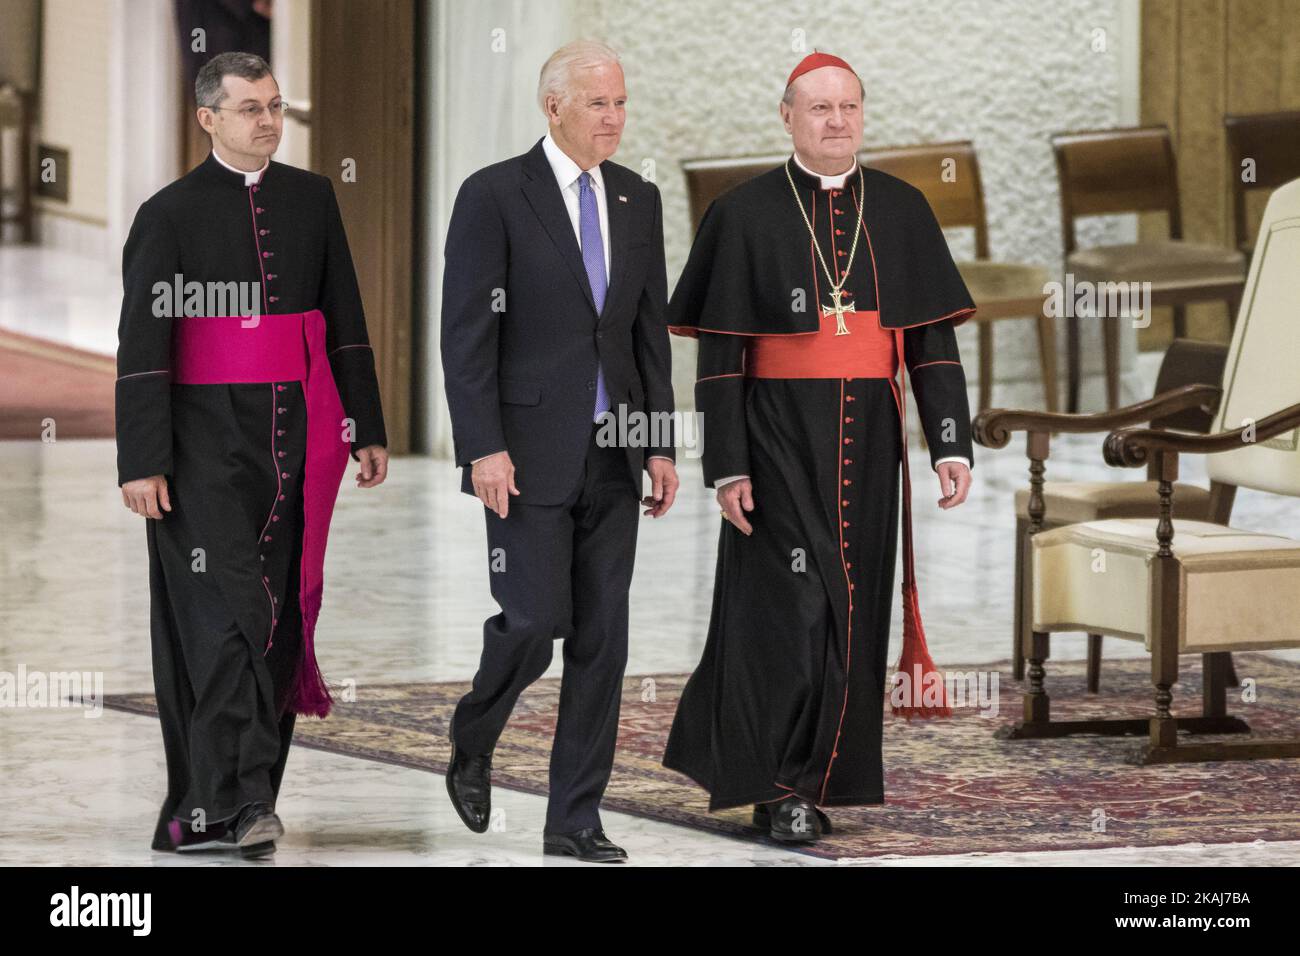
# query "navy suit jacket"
(521, 337)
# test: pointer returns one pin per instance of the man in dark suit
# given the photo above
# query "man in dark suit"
(553, 320)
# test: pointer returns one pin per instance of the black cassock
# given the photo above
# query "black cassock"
(224, 562)
(789, 694)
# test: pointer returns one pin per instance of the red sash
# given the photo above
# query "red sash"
(286, 347)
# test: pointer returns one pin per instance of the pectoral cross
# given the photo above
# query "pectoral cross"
(838, 310)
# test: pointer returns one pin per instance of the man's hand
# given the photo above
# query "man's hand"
(735, 496)
(493, 479)
(374, 466)
(663, 487)
(145, 495)
(954, 482)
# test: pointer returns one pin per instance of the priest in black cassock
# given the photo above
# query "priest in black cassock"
(806, 287)
(245, 378)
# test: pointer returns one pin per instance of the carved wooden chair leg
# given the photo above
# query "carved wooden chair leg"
(1018, 601)
(1214, 684)
(1180, 321)
(1110, 347)
(1094, 663)
(986, 365)
(1038, 708)
(1072, 363)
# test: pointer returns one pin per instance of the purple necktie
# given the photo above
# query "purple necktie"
(593, 258)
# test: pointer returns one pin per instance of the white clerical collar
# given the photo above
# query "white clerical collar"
(829, 182)
(250, 179)
(565, 169)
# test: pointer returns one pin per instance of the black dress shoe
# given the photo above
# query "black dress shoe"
(469, 782)
(257, 824)
(590, 845)
(792, 820)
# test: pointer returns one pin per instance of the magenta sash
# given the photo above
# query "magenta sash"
(285, 347)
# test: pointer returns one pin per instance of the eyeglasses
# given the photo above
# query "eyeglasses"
(251, 114)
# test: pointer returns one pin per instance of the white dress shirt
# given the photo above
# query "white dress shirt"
(567, 173)
(250, 179)
(837, 182)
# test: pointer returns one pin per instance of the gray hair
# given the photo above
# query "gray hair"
(208, 90)
(788, 98)
(559, 66)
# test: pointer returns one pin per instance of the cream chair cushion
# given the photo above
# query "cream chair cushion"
(1068, 502)
(1168, 263)
(1238, 590)
(987, 280)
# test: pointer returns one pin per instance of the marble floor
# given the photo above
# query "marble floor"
(82, 788)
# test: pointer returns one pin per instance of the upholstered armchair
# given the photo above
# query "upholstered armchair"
(1191, 585)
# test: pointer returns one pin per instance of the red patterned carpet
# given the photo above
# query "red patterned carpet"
(950, 787)
(40, 380)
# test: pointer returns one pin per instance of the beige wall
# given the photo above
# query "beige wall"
(75, 102)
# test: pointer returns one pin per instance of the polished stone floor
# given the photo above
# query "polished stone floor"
(407, 595)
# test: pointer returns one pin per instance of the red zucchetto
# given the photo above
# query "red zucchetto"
(815, 61)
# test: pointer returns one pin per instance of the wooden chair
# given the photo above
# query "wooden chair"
(1109, 171)
(1271, 142)
(16, 111)
(956, 204)
(1194, 587)
(1053, 504)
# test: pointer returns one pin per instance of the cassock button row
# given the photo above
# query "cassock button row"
(273, 298)
(262, 232)
(266, 538)
(280, 410)
(270, 276)
(279, 431)
(847, 421)
(279, 388)
(282, 497)
(284, 474)
(275, 517)
(260, 209)
(848, 398)
(280, 454)
(845, 502)
(842, 252)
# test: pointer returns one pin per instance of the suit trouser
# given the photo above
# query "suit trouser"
(561, 572)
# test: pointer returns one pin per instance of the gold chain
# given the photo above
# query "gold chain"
(857, 233)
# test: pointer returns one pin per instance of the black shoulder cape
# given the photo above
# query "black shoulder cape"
(751, 253)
